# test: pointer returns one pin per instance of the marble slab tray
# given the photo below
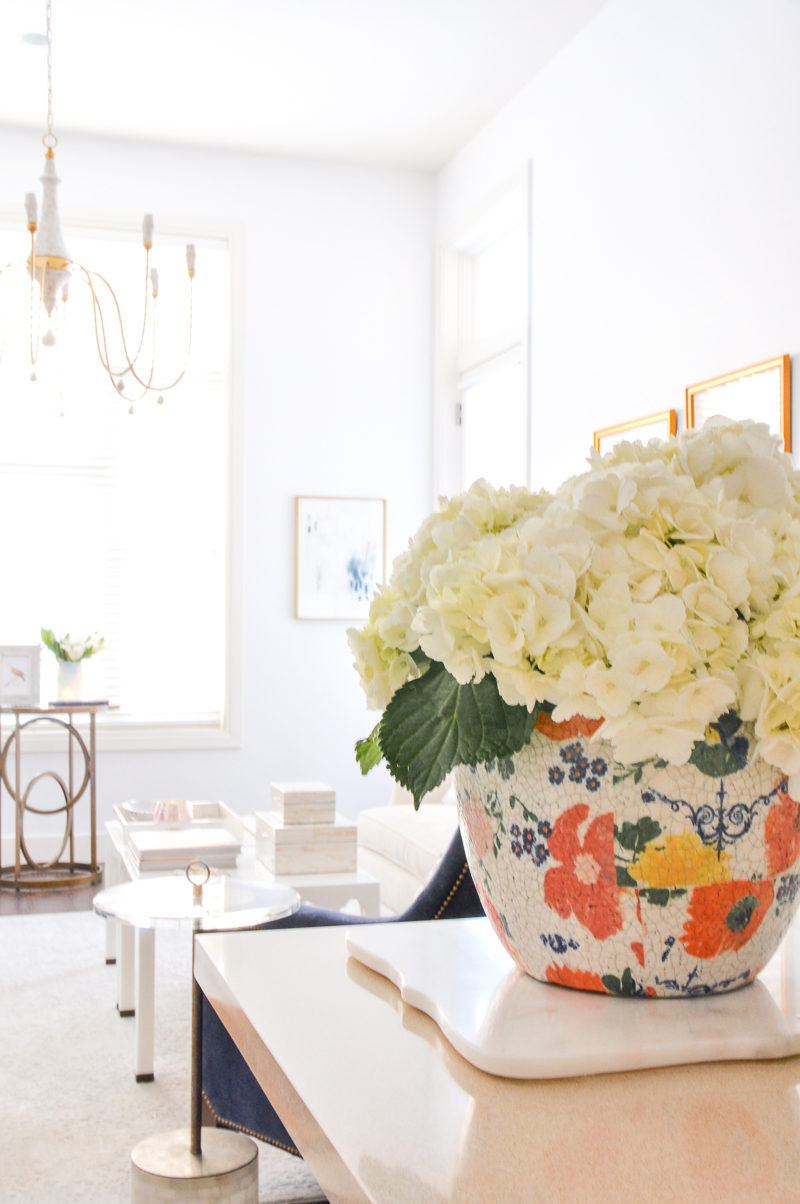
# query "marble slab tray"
(505, 1022)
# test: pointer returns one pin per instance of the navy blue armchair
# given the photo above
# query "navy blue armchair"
(230, 1089)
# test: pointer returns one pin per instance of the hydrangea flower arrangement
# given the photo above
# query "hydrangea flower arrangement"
(655, 592)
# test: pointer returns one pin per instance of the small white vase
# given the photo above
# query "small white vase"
(69, 681)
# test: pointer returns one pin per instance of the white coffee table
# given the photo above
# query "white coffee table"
(134, 949)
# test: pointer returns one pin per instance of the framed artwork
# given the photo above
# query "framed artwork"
(762, 392)
(19, 675)
(653, 426)
(340, 556)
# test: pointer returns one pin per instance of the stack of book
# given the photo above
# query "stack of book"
(165, 848)
(302, 834)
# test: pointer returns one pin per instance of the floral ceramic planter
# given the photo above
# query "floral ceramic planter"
(641, 880)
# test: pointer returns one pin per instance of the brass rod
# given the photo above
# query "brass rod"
(2, 767)
(70, 805)
(195, 1146)
(92, 793)
(19, 805)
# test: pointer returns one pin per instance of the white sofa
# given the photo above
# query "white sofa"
(402, 847)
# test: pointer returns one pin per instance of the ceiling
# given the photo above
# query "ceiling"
(390, 82)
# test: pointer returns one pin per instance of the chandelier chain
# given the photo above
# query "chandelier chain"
(49, 140)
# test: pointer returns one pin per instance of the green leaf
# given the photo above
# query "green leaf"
(624, 986)
(714, 760)
(368, 752)
(49, 640)
(505, 767)
(433, 724)
(624, 878)
(635, 836)
(656, 896)
(628, 984)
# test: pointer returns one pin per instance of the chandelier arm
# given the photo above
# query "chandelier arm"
(130, 362)
(35, 354)
(147, 386)
(98, 313)
(146, 302)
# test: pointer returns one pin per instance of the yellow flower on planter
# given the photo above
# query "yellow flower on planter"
(669, 862)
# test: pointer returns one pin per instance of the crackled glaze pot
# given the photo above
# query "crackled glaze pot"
(640, 880)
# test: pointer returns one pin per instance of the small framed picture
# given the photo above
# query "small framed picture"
(340, 556)
(653, 426)
(762, 392)
(19, 675)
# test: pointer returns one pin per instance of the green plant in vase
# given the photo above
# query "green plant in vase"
(69, 652)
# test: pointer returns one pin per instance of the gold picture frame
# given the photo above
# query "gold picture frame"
(340, 555)
(761, 391)
(662, 425)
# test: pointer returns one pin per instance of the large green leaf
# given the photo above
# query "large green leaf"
(368, 752)
(433, 724)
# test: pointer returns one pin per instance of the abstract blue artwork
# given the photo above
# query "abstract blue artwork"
(340, 556)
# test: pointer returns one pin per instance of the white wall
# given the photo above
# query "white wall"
(336, 326)
(666, 193)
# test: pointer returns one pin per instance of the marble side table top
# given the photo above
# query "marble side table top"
(506, 1023)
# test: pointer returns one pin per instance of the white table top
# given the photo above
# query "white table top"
(152, 902)
(374, 1093)
(247, 865)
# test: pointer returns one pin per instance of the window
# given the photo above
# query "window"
(119, 522)
(482, 389)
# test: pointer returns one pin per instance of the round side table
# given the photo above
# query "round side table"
(219, 1165)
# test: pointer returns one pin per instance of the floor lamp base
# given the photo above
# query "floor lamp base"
(164, 1172)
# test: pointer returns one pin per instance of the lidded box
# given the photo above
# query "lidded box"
(303, 802)
(327, 848)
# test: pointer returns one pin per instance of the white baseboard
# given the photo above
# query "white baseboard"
(42, 848)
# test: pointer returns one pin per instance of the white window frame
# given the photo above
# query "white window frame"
(459, 362)
(124, 733)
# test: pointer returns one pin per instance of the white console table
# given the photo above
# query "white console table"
(133, 949)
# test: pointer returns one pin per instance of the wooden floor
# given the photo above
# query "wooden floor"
(26, 902)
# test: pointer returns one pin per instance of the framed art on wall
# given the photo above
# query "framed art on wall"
(762, 392)
(19, 675)
(652, 426)
(340, 556)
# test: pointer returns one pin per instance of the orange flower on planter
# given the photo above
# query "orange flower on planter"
(581, 980)
(782, 834)
(724, 915)
(576, 726)
(585, 883)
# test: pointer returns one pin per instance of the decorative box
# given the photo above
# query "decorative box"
(303, 802)
(305, 848)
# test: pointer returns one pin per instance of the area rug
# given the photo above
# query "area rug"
(71, 1110)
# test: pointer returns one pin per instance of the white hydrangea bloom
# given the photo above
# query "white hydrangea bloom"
(655, 591)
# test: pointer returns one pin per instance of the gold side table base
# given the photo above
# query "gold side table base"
(62, 870)
(164, 1172)
(57, 877)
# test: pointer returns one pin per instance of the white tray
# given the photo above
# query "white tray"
(505, 1022)
(205, 814)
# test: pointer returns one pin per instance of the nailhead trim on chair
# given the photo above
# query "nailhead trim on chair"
(224, 1124)
(458, 882)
